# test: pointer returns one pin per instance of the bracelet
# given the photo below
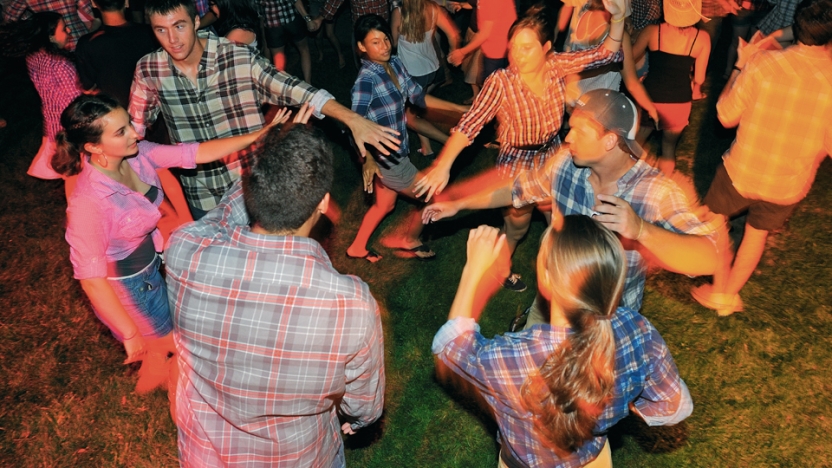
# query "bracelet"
(131, 337)
(307, 18)
(640, 227)
(618, 20)
(614, 39)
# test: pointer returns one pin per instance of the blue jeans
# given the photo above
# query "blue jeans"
(145, 298)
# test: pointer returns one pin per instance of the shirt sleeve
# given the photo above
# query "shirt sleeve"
(574, 62)
(14, 10)
(458, 344)
(87, 233)
(330, 8)
(536, 185)
(283, 89)
(736, 101)
(484, 109)
(144, 101)
(364, 391)
(362, 95)
(164, 156)
(665, 399)
(675, 214)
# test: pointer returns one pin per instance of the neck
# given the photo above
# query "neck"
(192, 60)
(613, 167)
(557, 316)
(111, 170)
(303, 231)
(113, 18)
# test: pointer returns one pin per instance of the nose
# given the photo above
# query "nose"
(568, 138)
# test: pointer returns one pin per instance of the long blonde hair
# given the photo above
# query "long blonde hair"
(414, 21)
(585, 265)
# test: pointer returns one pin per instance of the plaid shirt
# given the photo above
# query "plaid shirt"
(277, 12)
(645, 374)
(376, 97)
(233, 83)
(76, 14)
(655, 198)
(780, 16)
(360, 8)
(645, 13)
(273, 344)
(106, 221)
(782, 102)
(525, 118)
(56, 82)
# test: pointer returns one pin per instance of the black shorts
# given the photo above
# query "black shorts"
(723, 198)
(276, 37)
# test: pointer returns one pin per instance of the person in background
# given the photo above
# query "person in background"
(76, 14)
(494, 19)
(557, 388)
(282, 19)
(237, 21)
(42, 40)
(309, 16)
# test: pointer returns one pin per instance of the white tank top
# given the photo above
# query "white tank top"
(419, 58)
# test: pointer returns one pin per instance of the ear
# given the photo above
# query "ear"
(361, 47)
(92, 148)
(547, 47)
(196, 23)
(610, 141)
(323, 206)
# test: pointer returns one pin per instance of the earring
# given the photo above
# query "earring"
(105, 163)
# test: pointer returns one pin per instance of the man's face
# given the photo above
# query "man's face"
(586, 142)
(176, 32)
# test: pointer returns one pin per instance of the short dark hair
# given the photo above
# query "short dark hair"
(110, 5)
(813, 22)
(367, 23)
(163, 7)
(291, 174)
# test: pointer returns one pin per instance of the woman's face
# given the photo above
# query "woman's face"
(118, 138)
(61, 35)
(525, 52)
(377, 46)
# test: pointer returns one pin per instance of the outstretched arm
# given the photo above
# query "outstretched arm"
(490, 197)
(363, 131)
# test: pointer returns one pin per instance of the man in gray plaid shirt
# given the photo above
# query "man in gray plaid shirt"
(208, 87)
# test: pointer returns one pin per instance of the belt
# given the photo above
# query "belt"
(542, 147)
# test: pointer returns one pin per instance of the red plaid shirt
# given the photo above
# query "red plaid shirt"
(76, 14)
(525, 118)
(273, 344)
(358, 8)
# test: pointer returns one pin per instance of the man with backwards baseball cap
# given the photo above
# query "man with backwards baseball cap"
(598, 173)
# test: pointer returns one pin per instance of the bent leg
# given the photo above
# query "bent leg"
(384, 203)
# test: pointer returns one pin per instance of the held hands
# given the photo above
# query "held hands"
(434, 181)
(314, 25)
(368, 170)
(135, 348)
(486, 245)
(618, 216)
(747, 49)
(456, 57)
(437, 211)
(346, 428)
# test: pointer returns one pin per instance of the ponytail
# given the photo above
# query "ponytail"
(81, 122)
(573, 387)
(67, 158)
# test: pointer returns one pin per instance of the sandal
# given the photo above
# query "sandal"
(371, 256)
(421, 252)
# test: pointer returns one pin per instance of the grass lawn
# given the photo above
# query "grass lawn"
(761, 380)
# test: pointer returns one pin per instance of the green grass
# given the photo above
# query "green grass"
(760, 380)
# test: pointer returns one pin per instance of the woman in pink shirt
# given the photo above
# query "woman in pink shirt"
(112, 217)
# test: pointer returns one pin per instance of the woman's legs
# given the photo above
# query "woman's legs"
(384, 203)
(667, 160)
(426, 130)
(516, 222)
(305, 59)
(329, 29)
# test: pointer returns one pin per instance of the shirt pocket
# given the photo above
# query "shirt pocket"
(137, 223)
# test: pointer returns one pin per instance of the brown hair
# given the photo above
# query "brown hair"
(414, 22)
(571, 389)
(81, 121)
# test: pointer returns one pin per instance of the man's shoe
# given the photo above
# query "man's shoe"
(514, 283)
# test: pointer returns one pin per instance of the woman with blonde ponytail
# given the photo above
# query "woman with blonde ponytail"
(557, 388)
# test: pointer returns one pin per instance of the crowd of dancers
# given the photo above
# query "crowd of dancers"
(209, 277)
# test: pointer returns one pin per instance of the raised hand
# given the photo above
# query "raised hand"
(618, 216)
(434, 181)
(486, 244)
(437, 211)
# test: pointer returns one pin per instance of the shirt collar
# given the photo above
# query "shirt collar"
(634, 175)
(101, 184)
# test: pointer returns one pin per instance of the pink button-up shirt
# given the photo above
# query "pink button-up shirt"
(106, 221)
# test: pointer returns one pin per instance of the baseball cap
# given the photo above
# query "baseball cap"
(614, 112)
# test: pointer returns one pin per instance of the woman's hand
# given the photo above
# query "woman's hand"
(486, 245)
(304, 113)
(135, 348)
(370, 169)
(438, 211)
(434, 181)
(456, 57)
(617, 8)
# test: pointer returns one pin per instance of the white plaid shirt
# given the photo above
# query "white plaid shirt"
(232, 84)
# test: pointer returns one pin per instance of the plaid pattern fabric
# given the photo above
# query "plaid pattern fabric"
(376, 97)
(359, 8)
(780, 16)
(56, 81)
(645, 13)
(782, 101)
(277, 12)
(655, 198)
(525, 118)
(272, 341)
(233, 82)
(106, 221)
(74, 13)
(645, 374)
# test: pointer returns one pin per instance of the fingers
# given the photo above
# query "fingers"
(304, 113)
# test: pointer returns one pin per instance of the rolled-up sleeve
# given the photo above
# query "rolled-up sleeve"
(364, 390)
(87, 233)
(665, 399)
(164, 156)
(144, 102)
(283, 89)
(740, 97)
(484, 109)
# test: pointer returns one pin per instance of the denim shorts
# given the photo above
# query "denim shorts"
(145, 298)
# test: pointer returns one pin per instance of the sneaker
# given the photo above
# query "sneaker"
(514, 283)
(518, 322)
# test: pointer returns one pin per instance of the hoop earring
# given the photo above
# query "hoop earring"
(98, 160)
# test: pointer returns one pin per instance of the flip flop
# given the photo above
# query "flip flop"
(371, 256)
(420, 252)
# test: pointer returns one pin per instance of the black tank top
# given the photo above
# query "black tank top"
(668, 80)
(142, 256)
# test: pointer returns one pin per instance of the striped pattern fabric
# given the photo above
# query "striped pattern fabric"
(74, 12)
(645, 374)
(654, 197)
(273, 345)
(525, 118)
(232, 84)
(782, 102)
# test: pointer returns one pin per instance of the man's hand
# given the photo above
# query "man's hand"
(438, 211)
(346, 428)
(135, 348)
(315, 24)
(434, 181)
(618, 216)
(456, 57)
(368, 133)
(730, 6)
(745, 50)
(485, 247)
(368, 170)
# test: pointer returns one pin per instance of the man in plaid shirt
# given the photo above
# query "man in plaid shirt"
(782, 102)
(208, 87)
(599, 174)
(275, 346)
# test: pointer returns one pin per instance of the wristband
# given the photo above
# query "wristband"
(618, 20)
(307, 18)
(640, 227)
(614, 39)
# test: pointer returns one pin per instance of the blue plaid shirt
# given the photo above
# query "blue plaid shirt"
(645, 374)
(376, 97)
(654, 197)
